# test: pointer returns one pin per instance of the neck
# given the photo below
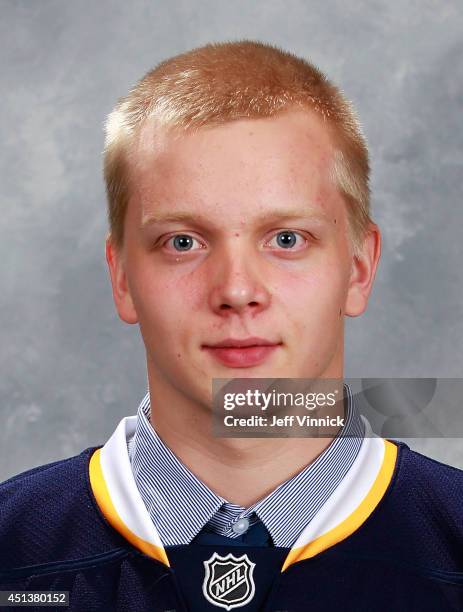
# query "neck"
(241, 470)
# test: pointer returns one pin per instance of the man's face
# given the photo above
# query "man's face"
(248, 238)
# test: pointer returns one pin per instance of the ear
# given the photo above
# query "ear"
(121, 292)
(363, 272)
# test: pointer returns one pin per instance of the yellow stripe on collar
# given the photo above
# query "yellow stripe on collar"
(103, 499)
(356, 518)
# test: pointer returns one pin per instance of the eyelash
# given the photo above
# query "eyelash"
(285, 231)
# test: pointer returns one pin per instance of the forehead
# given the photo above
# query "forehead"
(243, 165)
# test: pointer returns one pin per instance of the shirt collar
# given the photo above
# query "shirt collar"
(180, 504)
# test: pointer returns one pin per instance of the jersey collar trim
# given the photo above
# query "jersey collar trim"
(353, 501)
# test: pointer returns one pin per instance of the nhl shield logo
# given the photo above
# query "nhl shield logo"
(228, 581)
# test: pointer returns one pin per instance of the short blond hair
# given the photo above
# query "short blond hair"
(222, 82)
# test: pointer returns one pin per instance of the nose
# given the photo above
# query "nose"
(238, 283)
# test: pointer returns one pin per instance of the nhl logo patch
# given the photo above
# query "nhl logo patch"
(228, 581)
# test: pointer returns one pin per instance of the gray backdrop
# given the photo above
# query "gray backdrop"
(70, 369)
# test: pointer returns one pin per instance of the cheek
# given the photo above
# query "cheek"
(165, 300)
(317, 284)
(311, 302)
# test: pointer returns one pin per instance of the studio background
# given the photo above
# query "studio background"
(70, 369)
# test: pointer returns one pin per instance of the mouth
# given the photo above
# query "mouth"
(245, 353)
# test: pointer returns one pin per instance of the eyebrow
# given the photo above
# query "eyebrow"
(269, 217)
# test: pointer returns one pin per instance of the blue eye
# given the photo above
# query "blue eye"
(287, 239)
(182, 242)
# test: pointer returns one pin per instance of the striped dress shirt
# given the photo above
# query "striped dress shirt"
(181, 505)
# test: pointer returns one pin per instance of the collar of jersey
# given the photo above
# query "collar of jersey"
(349, 506)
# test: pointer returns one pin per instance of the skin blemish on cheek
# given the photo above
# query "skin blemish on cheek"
(237, 235)
(340, 311)
(335, 221)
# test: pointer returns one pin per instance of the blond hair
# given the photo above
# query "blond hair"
(222, 82)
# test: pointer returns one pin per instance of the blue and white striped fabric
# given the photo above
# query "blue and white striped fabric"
(181, 505)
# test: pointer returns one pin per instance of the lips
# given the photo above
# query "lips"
(242, 353)
(245, 342)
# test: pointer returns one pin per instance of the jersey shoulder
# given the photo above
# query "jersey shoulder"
(419, 522)
(48, 514)
(428, 490)
(432, 480)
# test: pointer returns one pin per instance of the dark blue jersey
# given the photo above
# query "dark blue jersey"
(391, 540)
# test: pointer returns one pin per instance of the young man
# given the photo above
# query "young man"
(240, 238)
